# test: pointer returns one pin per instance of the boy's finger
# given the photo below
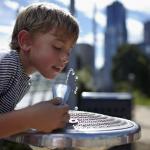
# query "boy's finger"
(56, 101)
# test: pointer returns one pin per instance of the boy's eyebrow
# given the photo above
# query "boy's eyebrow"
(57, 38)
(59, 41)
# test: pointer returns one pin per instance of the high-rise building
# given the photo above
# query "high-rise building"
(147, 32)
(145, 45)
(85, 56)
(147, 37)
(82, 56)
(115, 35)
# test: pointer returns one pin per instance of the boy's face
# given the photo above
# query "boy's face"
(49, 52)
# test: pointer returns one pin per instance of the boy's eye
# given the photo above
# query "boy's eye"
(57, 48)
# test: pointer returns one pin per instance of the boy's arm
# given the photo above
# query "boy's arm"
(45, 116)
(14, 122)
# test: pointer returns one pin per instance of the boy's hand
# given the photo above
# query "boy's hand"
(49, 115)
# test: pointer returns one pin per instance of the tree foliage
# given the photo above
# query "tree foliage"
(130, 64)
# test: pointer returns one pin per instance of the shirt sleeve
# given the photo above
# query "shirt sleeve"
(7, 74)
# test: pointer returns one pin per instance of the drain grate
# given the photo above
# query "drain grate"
(88, 121)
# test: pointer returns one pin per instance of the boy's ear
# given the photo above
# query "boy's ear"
(24, 40)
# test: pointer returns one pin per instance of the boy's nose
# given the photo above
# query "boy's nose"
(65, 58)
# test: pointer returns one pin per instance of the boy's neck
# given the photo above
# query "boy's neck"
(28, 69)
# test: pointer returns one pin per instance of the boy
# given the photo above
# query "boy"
(41, 41)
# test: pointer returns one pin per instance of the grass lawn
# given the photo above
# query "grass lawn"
(140, 99)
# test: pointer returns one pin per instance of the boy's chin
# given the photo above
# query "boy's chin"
(51, 76)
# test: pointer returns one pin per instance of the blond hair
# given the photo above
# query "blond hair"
(42, 17)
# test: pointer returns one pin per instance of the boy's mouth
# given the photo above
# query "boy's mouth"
(56, 69)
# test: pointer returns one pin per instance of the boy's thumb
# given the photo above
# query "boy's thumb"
(56, 101)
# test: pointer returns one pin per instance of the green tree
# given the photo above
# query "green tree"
(85, 82)
(130, 64)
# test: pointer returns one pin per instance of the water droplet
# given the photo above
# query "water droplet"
(76, 77)
(76, 108)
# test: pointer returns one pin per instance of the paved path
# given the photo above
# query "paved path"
(141, 115)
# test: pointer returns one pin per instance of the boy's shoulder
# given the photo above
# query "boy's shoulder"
(3, 53)
(8, 61)
(8, 69)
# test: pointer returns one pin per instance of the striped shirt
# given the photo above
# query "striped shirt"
(14, 83)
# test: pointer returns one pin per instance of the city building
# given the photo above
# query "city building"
(145, 45)
(147, 32)
(115, 35)
(147, 37)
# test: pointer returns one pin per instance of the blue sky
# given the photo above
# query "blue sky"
(138, 11)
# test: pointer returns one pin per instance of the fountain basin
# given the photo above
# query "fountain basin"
(91, 131)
